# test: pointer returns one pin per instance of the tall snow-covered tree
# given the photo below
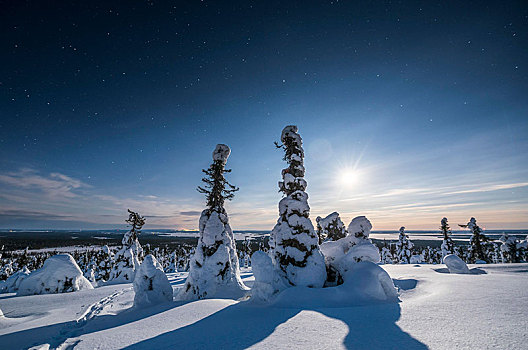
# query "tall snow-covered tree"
(448, 247)
(477, 249)
(294, 245)
(214, 268)
(330, 228)
(128, 258)
(403, 247)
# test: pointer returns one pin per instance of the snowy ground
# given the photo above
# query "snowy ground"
(437, 310)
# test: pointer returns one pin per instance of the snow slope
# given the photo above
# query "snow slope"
(482, 310)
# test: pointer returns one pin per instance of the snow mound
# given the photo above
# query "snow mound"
(151, 285)
(455, 264)
(60, 274)
(365, 283)
(12, 284)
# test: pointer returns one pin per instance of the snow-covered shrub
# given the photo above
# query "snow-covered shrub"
(403, 247)
(477, 250)
(151, 285)
(340, 255)
(214, 269)
(455, 264)
(294, 246)
(127, 259)
(12, 284)
(448, 247)
(60, 274)
(330, 228)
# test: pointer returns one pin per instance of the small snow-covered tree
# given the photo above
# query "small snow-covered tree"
(477, 241)
(127, 259)
(404, 247)
(214, 268)
(294, 245)
(386, 256)
(151, 285)
(105, 263)
(448, 247)
(522, 246)
(6, 270)
(510, 248)
(330, 228)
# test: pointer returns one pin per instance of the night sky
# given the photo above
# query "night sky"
(409, 111)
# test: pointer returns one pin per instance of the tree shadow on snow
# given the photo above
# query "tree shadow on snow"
(56, 334)
(244, 324)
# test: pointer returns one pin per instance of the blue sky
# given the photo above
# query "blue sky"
(408, 112)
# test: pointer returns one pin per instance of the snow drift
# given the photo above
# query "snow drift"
(365, 283)
(60, 274)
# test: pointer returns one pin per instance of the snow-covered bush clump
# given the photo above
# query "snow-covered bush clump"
(294, 245)
(12, 284)
(340, 255)
(511, 249)
(127, 259)
(448, 247)
(403, 247)
(60, 274)
(214, 268)
(455, 264)
(330, 228)
(151, 285)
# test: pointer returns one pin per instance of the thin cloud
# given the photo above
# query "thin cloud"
(490, 188)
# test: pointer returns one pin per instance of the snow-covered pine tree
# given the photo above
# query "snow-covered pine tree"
(403, 247)
(330, 228)
(509, 248)
(386, 256)
(294, 245)
(105, 263)
(448, 247)
(6, 270)
(127, 259)
(214, 268)
(477, 249)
